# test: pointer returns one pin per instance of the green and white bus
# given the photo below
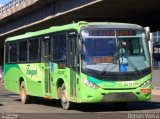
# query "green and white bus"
(84, 62)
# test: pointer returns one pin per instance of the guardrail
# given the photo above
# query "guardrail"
(11, 4)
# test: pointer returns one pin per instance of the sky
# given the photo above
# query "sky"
(2, 2)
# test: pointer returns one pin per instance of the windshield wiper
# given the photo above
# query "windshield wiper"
(130, 62)
(133, 65)
(106, 67)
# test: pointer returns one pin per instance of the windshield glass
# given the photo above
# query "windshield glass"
(114, 50)
(99, 50)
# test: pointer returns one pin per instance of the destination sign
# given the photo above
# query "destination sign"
(102, 59)
(112, 32)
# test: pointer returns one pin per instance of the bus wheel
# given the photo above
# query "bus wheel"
(24, 97)
(66, 104)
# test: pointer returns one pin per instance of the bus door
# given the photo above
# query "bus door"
(72, 62)
(46, 57)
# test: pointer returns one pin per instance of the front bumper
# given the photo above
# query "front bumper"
(101, 95)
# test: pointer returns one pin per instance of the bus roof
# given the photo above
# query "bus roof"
(76, 26)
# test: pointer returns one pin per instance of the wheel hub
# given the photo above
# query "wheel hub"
(64, 96)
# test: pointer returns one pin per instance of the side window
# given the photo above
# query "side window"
(12, 50)
(59, 47)
(6, 53)
(33, 50)
(22, 51)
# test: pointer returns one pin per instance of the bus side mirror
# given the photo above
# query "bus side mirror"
(147, 30)
(79, 46)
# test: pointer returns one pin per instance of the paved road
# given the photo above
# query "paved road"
(10, 106)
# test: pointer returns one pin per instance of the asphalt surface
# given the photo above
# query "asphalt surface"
(12, 108)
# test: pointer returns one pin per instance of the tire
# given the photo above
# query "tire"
(25, 99)
(66, 104)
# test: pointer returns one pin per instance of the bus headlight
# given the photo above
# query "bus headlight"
(146, 83)
(89, 84)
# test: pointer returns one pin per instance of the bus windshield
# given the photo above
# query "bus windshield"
(115, 50)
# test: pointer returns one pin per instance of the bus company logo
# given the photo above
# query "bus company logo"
(31, 72)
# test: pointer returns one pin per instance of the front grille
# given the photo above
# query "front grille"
(118, 88)
(129, 96)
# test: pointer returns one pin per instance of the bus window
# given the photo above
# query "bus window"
(6, 53)
(33, 50)
(59, 47)
(22, 51)
(12, 47)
